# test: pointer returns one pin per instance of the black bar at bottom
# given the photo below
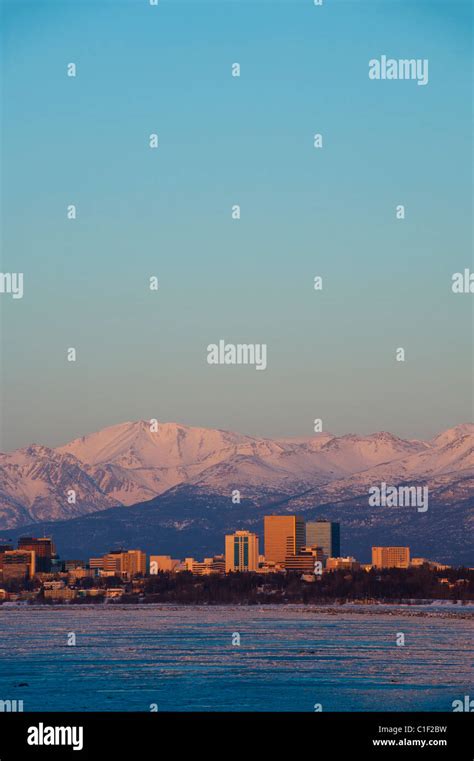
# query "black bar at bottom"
(155, 735)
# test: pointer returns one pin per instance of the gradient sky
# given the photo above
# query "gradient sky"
(305, 212)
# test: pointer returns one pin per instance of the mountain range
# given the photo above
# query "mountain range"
(173, 487)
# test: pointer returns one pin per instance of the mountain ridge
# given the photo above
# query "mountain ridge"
(129, 464)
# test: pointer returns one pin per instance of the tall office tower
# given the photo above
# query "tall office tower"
(284, 535)
(43, 549)
(391, 557)
(4, 548)
(326, 535)
(241, 551)
(18, 564)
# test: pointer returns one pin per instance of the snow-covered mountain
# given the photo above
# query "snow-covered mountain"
(130, 453)
(36, 484)
(130, 463)
(448, 459)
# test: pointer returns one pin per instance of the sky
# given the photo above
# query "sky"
(166, 212)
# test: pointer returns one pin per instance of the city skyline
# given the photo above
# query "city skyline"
(286, 537)
(166, 476)
(236, 373)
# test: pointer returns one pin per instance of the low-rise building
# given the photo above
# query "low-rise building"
(305, 560)
(94, 592)
(80, 573)
(391, 557)
(59, 594)
(269, 566)
(206, 567)
(431, 564)
(342, 564)
(54, 584)
(122, 563)
(164, 563)
(113, 592)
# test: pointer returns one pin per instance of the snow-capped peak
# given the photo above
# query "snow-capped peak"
(135, 461)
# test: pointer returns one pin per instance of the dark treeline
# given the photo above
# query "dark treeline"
(251, 588)
(391, 585)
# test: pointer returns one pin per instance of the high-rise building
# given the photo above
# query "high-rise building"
(18, 564)
(326, 535)
(241, 551)
(4, 548)
(391, 557)
(284, 535)
(42, 547)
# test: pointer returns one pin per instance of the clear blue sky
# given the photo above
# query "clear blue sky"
(305, 212)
